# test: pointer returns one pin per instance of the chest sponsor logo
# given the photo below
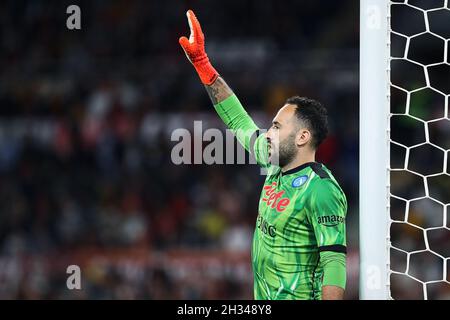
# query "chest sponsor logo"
(299, 181)
(275, 199)
(330, 220)
(265, 227)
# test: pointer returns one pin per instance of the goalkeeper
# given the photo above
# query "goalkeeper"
(299, 243)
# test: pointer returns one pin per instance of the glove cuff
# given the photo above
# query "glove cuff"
(205, 70)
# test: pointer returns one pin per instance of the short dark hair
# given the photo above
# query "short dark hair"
(314, 115)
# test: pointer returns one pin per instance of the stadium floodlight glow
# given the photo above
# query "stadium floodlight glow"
(374, 149)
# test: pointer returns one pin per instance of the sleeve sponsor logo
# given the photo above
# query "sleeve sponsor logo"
(330, 220)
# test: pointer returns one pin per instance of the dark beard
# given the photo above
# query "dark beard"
(287, 151)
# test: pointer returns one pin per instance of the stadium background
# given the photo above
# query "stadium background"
(85, 122)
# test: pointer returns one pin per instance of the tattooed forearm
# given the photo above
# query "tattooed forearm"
(218, 91)
(332, 293)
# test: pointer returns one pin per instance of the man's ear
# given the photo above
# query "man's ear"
(303, 137)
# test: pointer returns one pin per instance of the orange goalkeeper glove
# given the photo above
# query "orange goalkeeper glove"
(194, 48)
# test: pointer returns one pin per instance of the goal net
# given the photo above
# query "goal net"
(405, 142)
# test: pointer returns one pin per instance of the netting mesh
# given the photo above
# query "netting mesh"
(419, 149)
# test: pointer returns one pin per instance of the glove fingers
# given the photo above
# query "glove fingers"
(184, 42)
(196, 30)
(189, 14)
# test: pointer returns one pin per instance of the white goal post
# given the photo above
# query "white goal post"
(374, 149)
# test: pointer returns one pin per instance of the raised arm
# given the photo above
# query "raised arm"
(218, 91)
(224, 100)
(194, 48)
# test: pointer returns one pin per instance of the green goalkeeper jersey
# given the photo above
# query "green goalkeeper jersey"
(301, 217)
(301, 213)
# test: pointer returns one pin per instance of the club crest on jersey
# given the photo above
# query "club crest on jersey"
(275, 199)
(299, 181)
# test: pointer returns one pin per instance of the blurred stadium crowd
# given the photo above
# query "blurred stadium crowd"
(86, 118)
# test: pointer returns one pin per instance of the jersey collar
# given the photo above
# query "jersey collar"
(299, 168)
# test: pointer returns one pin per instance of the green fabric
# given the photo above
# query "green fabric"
(237, 119)
(334, 268)
(295, 221)
(300, 214)
(241, 124)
